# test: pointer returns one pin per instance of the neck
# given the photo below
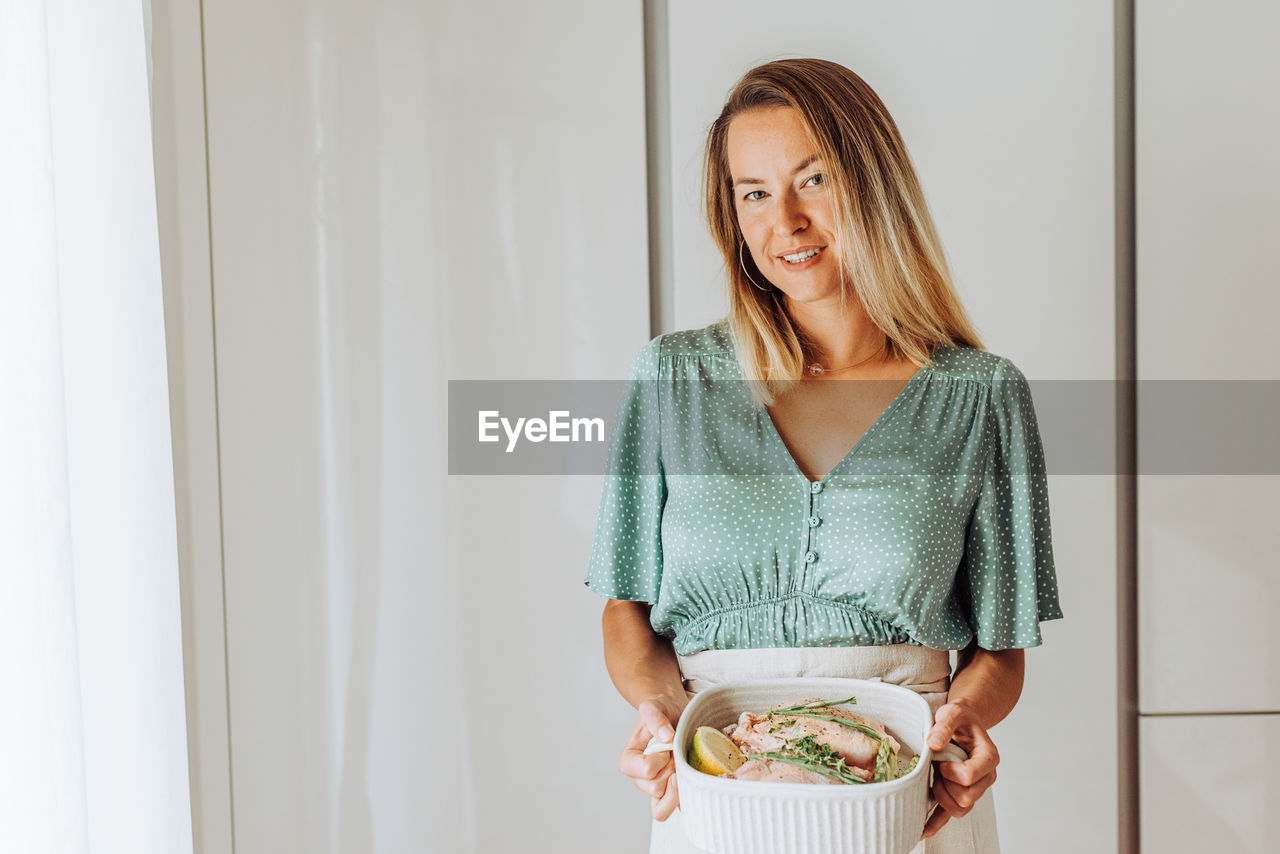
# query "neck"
(837, 341)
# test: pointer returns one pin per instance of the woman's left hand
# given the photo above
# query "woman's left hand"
(958, 785)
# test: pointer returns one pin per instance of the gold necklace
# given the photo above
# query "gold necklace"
(817, 370)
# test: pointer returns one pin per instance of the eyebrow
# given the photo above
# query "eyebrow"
(803, 165)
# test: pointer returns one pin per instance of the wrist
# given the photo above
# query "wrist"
(972, 710)
(665, 693)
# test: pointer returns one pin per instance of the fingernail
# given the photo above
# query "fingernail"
(667, 734)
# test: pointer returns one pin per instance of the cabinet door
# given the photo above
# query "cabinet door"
(404, 194)
(1209, 783)
(1207, 180)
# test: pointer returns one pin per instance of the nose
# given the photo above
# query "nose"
(790, 215)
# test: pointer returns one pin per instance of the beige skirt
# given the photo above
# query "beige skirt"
(926, 671)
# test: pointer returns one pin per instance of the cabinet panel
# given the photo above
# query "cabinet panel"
(403, 194)
(1209, 783)
(1209, 638)
(1207, 180)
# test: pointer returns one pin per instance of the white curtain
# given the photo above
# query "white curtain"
(92, 722)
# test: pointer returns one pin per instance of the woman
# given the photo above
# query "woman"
(818, 527)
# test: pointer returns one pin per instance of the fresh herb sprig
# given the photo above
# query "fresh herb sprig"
(886, 763)
(816, 704)
(845, 722)
(812, 755)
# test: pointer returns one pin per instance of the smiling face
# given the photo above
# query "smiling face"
(784, 204)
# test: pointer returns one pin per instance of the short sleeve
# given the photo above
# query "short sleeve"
(626, 553)
(1008, 567)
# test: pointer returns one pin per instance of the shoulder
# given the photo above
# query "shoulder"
(1002, 387)
(711, 340)
(655, 358)
(980, 366)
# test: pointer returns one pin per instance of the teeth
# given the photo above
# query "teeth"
(800, 256)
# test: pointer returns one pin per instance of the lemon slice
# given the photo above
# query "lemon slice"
(712, 752)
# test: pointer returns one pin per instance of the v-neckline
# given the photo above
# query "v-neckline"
(862, 440)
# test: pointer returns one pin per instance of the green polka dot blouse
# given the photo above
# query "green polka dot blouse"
(933, 529)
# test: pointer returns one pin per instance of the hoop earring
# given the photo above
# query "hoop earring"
(743, 265)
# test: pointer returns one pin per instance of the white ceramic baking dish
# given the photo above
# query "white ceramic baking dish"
(728, 816)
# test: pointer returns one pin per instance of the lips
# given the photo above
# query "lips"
(801, 255)
(799, 249)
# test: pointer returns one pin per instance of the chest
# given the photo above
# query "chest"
(820, 422)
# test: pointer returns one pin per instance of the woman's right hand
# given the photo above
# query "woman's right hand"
(654, 774)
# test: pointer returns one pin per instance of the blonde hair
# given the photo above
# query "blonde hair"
(892, 258)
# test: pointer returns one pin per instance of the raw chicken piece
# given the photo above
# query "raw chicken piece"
(781, 772)
(752, 734)
(751, 739)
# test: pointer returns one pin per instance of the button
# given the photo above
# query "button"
(810, 557)
(814, 521)
(816, 486)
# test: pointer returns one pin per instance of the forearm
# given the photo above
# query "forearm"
(641, 663)
(988, 683)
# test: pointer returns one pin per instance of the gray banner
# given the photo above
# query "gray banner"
(1185, 427)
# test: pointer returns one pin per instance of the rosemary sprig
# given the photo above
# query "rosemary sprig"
(816, 704)
(808, 766)
(812, 755)
(865, 730)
